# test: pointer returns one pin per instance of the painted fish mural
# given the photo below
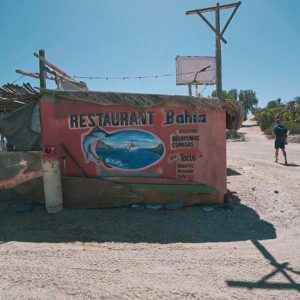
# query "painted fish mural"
(127, 149)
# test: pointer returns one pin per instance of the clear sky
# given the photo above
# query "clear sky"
(116, 38)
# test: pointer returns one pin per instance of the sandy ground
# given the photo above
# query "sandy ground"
(246, 250)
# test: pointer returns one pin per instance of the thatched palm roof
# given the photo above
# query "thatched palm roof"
(13, 96)
(234, 111)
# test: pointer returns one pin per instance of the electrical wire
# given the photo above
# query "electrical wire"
(18, 79)
(137, 77)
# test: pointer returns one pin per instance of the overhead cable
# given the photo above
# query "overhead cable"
(140, 77)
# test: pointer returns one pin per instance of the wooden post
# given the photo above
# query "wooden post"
(218, 55)
(50, 162)
(219, 35)
(52, 185)
(42, 70)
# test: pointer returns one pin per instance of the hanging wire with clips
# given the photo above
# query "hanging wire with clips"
(206, 69)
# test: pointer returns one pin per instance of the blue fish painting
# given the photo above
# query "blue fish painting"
(127, 149)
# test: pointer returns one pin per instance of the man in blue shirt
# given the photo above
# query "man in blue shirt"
(280, 133)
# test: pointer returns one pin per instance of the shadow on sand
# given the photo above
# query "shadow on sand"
(234, 222)
(247, 126)
(289, 165)
(231, 172)
(263, 283)
(236, 136)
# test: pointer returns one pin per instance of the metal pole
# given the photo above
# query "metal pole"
(218, 55)
(42, 70)
(190, 90)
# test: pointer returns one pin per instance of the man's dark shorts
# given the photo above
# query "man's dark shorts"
(279, 144)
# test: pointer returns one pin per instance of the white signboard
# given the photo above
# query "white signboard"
(67, 85)
(195, 70)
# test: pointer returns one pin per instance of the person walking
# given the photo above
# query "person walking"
(280, 133)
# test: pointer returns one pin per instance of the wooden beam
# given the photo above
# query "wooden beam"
(212, 28)
(230, 18)
(79, 168)
(55, 68)
(208, 9)
(33, 75)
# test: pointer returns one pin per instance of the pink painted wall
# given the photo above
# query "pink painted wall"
(192, 149)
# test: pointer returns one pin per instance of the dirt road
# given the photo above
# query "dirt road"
(248, 250)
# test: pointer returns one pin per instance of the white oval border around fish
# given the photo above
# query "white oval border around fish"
(117, 146)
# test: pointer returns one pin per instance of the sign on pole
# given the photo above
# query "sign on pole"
(195, 70)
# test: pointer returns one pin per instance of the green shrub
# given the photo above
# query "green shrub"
(264, 118)
(268, 130)
(265, 124)
(293, 127)
(275, 109)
